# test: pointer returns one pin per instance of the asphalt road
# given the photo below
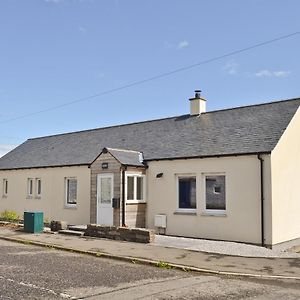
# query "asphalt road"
(29, 272)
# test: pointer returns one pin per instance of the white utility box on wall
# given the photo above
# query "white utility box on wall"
(160, 221)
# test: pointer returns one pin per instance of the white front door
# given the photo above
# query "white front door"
(105, 190)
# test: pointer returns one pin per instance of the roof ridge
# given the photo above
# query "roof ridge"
(252, 105)
(124, 150)
(166, 118)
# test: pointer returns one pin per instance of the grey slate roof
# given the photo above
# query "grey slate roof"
(127, 157)
(249, 129)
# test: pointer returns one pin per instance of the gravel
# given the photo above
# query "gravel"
(221, 247)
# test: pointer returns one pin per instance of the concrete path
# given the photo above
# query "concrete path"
(148, 253)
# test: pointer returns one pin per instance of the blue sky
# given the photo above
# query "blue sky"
(56, 51)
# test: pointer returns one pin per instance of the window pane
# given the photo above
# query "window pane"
(130, 188)
(187, 192)
(5, 186)
(139, 188)
(71, 191)
(106, 190)
(39, 186)
(215, 192)
(29, 186)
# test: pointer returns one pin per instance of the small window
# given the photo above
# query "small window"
(38, 184)
(135, 188)
(215, 196)
(29, 187)
(71, 191)
(187, 192)
(5, 187)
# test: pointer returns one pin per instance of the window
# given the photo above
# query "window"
(71, 191)
(215, 194)
(38, 186)
(135, 188)
(5, 187)
(29, 187)
(187, 192)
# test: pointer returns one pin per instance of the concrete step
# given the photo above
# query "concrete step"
(71, 232)
(81, 228)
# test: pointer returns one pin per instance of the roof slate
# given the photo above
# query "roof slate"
(249, 129)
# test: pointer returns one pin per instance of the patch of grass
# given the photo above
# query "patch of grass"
(163, 265)
(9, 216)
(47, 222)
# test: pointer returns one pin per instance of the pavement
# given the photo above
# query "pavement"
(164, 257)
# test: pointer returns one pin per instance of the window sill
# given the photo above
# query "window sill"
(185, 212)
(29, 197)
(4, 196)
(214, 214)
(136, 201)
(70, 206)
(37, 197)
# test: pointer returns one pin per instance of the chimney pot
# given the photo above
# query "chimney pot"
(197, 104)
(197, 94)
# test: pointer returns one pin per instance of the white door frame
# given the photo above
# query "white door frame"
(104, 175)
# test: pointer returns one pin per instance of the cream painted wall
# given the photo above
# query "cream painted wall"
(52, 201)
(242, 221)
(285, 183)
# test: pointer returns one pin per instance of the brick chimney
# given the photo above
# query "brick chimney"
(197, 104)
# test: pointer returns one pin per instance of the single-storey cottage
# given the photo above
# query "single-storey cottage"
(229, 174)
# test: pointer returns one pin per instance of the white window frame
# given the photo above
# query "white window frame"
(5, 187)
(218, 212)
(30, 192)
(135, 175)
(37, 194)
(186, 210)
(70, 205)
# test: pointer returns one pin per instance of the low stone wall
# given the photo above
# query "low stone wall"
(138, 235)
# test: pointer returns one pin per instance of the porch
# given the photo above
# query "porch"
(118, 195)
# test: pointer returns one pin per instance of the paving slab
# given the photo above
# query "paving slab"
(256, 266)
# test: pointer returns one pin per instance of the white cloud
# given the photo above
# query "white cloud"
(268, 73)
(5, 148)
(281, 73)
(231, 67)
(82, 29)
(183, 44)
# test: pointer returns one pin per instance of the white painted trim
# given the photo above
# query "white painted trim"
(30, 193)
(213, 212)
(135, 175)
(70, 205)
(4, 190)
(37, 194)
